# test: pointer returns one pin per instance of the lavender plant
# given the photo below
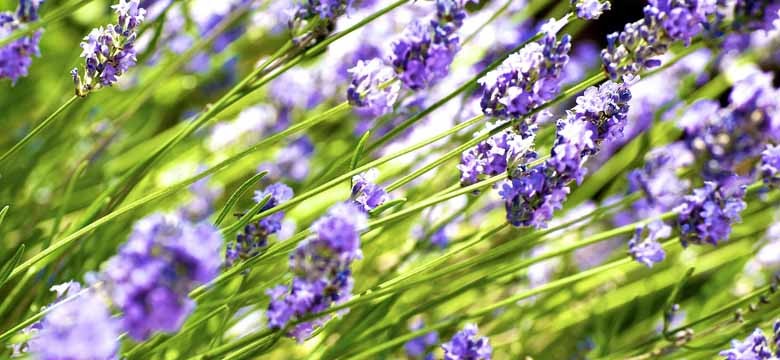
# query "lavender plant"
(443, 179)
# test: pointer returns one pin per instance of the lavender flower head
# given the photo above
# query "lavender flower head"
(649, 250)
(254, 237)
(527, 78)
(495, 155)
(321, 266)
(726, 139)
(365, 193)
(16, 57)
(755, 347)
(373, 88)
(770, 165)
(706, 215)
(532, 195)
(164, 258)
(425, 50)
(640, 43)
(590, 9)
(467, 344)
(109, 51)
(658, 180)
(66, 290)
(78, 328)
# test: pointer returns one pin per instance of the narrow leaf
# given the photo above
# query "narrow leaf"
(11, 263)
(359, 150)
(3, 212)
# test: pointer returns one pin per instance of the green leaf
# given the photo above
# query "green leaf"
(3, 212)
(359, 150)
(10, 264)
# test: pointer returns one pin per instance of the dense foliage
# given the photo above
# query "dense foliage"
(383, 179)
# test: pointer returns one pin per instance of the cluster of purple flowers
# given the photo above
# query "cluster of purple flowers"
(664, 23)
(649, 250)
(424, 52)
(728, 138)
(706, 215)
(532, 195)
(255, 235)
(16, 57)
(661, 187)
(494, 156)
(164, 258)
(321, 266)
(366, 194)
(373, 87)
(590, 9)
(528, 78)
(65, 291)
(755, 347)
(109, 51)
(77, 328)
(467, 344)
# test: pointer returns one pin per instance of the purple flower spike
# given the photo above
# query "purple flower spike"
(162, 261)
(649, 250)
(755, 347)
(664, 23)
(373, 87)
(321, 266)
(532, 195)
(467, 344)
(706, 216)
(528, 78)
(366, 194)
(658, 181)
(496, 155)
(424, 52)
(590, 9)
(79, 328)
(16, 57)
(254, 237)
(109, 51)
